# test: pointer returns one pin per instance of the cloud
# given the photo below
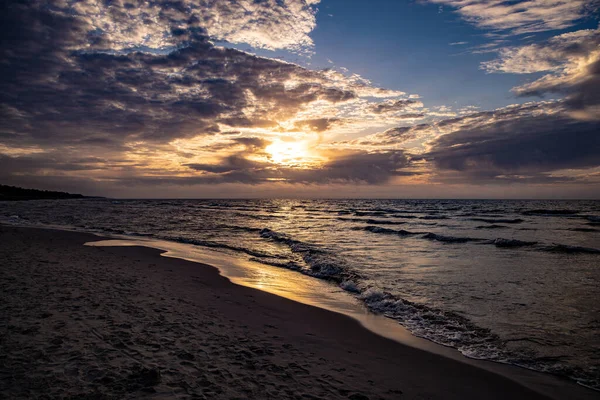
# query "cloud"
(572, 65)
(535, 142)
(125, 24)
(363, 166)
(136, 93)
(228, 164)
(515, 143)
(54, 95)
(318, 124)
(127, 91)
(519, 17)
(390, 138)
(345, 166)
(250, 163)
(394, 106)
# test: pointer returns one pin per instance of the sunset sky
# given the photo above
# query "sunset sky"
(302, 98)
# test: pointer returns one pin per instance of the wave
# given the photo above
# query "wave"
(371, 221)
(425, 235)
(583, 230)
(384, 213)
(258, 216)
(563, 248)
(239, 228)
(498, 220)
(449, 239)
(550, 212)
(294, 266)
(498, 242)
(386, 231)
(371, 214)
(593, 220)
(501, 242)
(442, 327)
(321, 264)
(493, 226)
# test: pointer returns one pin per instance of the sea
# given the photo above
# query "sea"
(516, 282)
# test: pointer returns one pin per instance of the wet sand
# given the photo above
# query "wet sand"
(124, 322)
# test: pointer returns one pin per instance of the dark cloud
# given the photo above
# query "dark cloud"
(107, 89)
(362, 166)
(33, 164)
(237, 161)
(345, 167)
(53, 94)
(517, 146)
(582, 95)
(228, 164)
(393, 106)
(140, 86)
(397, 135)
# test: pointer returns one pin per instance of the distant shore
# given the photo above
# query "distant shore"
(123, 322)
(14, 193)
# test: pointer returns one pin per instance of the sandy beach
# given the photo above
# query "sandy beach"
(123, 322)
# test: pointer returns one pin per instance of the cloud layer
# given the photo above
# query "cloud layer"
(124, 24)
(521, 16)
(520, 143)
(89, 78)
(571, 62)
(136, 93)
(535, 142)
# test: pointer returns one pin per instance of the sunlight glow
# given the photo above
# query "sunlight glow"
(288, 153)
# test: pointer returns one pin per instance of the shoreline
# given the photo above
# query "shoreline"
(369, 365)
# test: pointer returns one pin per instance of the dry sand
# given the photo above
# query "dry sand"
(122, 322)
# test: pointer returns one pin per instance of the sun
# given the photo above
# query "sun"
(288, 153)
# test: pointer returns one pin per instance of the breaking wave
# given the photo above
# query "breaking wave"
(440, 326)
(320, 264)
(443, 327)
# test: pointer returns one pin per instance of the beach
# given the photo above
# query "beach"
(124, 322)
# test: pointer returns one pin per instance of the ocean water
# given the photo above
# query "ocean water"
(516, 282)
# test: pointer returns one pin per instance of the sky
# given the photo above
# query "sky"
(301, 98)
